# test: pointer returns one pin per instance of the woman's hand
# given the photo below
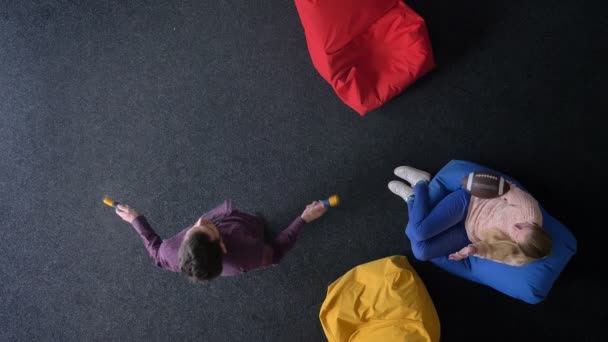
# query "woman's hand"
(313, 211)
(464, 253)
(126, 213)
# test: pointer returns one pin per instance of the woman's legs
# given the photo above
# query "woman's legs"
(433, 232)
(443, 244)
(424, 222)
(439, 231)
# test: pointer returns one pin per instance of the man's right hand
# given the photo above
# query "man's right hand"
(126, 213)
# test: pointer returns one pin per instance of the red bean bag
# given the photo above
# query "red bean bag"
(368, 50)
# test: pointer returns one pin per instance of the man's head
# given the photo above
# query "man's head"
(201, 252)
(534, 241)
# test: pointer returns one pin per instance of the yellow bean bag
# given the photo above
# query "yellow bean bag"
(381, 301)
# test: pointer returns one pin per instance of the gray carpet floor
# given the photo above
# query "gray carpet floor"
(174, 106)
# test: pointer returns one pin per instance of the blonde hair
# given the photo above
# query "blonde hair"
(501, 248)
(538, 244)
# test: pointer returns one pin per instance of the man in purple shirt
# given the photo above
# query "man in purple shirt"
(223, 241)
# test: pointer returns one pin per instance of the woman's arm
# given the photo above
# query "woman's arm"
(505, 252)
(463, 253)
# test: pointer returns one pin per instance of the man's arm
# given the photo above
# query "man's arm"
(151, 240)
(287, 238)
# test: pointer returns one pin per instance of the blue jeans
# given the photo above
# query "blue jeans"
(439, 231)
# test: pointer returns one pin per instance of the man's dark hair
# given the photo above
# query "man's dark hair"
(200, 258)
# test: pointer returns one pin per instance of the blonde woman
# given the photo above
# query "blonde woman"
(506, 229)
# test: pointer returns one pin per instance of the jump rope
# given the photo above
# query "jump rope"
(331, 202)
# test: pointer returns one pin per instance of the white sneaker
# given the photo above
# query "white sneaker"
(401, 190)
(412, 175)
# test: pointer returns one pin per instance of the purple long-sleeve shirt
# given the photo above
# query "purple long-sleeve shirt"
(242, 233)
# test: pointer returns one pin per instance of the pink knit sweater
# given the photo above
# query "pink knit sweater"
(488, 218)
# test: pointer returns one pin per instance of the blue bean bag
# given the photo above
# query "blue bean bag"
(530, 283)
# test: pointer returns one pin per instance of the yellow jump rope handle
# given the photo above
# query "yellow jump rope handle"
(110, 203)
(331, 202)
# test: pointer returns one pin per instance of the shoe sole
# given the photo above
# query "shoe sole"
(401, 183)
(428, 175)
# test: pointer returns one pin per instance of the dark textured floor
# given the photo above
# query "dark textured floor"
(173, 106)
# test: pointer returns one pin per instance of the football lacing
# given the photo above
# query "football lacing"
(487, 176)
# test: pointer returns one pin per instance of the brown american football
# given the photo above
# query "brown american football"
(485, 184)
